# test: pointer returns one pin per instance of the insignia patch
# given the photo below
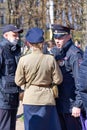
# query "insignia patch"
(61, 63)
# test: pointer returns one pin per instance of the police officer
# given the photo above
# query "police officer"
(9, 91)
(69, 102)
(82, 84)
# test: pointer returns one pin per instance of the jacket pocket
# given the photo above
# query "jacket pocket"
(10, 66)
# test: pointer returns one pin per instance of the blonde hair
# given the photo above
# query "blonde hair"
(38, 45)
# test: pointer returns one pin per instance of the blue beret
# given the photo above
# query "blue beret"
(11, 27)
(35, 35)
(59, 30)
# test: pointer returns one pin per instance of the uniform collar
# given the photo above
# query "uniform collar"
(67, 45)
(9, 45)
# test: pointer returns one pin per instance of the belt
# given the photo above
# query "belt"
(43, 85)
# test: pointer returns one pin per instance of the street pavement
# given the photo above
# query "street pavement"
(19, 121)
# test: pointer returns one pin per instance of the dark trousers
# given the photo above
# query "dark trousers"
(8, 119)
(68, 122)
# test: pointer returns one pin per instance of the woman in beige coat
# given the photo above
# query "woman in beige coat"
(38, 71)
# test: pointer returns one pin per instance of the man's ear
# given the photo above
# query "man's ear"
(5, 35)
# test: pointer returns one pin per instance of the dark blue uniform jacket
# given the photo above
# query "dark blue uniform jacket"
(9, 91)
(82, 83)
(69, 58)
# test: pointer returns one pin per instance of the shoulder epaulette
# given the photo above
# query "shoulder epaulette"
(75, 49)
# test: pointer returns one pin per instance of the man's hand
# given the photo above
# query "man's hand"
(76, 112)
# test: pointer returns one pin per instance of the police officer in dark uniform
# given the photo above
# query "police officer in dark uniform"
(9, 91)
(69, 57)
(82, 84)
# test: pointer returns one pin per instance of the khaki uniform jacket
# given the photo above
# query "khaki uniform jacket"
(40, 91)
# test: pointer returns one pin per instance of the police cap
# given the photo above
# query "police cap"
(60, 30)
(11, 27)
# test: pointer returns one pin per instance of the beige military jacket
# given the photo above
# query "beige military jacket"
(40, 91)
